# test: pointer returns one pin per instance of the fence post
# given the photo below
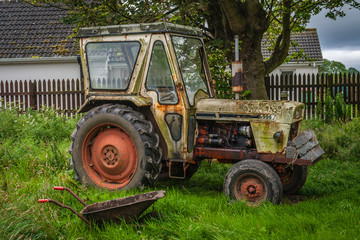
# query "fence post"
(32, 94)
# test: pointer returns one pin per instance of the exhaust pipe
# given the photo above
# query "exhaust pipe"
(237, 72)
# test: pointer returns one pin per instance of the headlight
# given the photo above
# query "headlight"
(279, 136)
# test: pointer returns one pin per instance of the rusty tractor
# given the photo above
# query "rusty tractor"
(151, 111)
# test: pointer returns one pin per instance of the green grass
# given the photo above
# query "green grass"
(34, 159)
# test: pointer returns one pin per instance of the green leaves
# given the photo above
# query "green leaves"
(329, 66)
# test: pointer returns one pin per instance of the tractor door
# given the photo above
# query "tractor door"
(191, 65)
(175, 79)
(168, 107)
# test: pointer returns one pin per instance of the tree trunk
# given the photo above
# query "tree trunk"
(247, 19)
(253, 69)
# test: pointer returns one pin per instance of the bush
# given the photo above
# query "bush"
(333, 109)
(34, 142)
(41, 126)
(339, 140)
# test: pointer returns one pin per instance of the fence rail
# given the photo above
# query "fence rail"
(308, 89)
(64, 95)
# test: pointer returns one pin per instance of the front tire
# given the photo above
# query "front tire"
(114, 147)
(253, 181)
(292, 178)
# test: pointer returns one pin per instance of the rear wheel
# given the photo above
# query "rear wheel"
(114, 147)
(253, 181)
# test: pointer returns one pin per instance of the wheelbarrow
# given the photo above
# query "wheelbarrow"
(128, 208)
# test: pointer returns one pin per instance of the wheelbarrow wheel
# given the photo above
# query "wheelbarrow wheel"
(114, 147)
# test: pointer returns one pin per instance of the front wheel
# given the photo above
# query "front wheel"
(114, 147)
(253, 181)
(292, 178)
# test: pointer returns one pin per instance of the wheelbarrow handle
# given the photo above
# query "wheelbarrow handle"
(72, 193)
(64, 206)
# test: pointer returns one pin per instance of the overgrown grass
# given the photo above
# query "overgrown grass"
(34, 158)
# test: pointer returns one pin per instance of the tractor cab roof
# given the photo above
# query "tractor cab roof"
(158, 27)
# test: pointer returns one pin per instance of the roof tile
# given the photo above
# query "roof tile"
(27, 31)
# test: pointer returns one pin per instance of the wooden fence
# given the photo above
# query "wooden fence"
(308, 89)
(66, 96)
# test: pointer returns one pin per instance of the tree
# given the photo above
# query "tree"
(250, 19)
(332, 67)
(353, 70)
(335, 67)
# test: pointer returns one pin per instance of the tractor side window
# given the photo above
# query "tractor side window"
(111, 64)
(159, 77)
(189, 53)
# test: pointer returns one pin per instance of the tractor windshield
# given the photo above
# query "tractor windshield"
(189, 53)
(111, 64)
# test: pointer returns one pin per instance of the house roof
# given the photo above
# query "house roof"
(27, 31)
(307, 40)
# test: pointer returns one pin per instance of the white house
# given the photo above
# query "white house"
(35, 44)
(308, 44)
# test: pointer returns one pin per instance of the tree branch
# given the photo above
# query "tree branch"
(283, 41)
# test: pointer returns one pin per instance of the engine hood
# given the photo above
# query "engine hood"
(284, 112)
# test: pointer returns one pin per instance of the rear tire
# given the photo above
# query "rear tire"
(114, 147)
(253, 181)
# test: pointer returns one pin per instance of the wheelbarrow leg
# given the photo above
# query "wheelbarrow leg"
(64, 206)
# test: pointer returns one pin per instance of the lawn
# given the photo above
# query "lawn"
(34, 158)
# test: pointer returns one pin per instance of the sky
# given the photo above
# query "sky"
(340, 39)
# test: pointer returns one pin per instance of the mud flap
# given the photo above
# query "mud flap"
(305, 146)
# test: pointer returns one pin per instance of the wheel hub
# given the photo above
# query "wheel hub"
(250, 188)
(110, 155)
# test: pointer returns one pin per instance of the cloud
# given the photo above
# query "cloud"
(340, 39)
(343, 33)
(351, 58)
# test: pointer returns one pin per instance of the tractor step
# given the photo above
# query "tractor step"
(177, 168)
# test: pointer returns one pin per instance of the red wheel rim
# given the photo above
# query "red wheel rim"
(251, 188)
(109, 156)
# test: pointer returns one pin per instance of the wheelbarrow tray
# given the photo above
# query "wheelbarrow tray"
(128, 208)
